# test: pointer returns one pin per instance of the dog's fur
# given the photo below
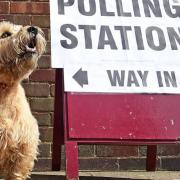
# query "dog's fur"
(20, 48)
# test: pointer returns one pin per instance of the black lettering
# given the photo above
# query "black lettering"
(143, 77)
(103, 9)
(106, 32)
(124, 38)
(73, 40)
(155, 8)
(62, 4)
(139, 39)
(173, 11)
(173, 37)
(170, 79)
(132, 79)
(136, 8)
(115, 78)
(159, 78)
(150, 38)
(83, 11)
(120, 10)
(87, 35)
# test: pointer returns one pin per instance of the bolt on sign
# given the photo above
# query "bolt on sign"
(125, 46)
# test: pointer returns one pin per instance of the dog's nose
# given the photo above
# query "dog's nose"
(33, 30)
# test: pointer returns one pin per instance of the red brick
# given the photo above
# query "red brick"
(43, 164)
(44, 61)
(52, 89)
(46, 134)
(102, 164)
(17, 19)
(169, 150)
(20, 8)
(170, 164)
(40, 8)
(48, 48)
(42, 21)
(47, 33)
(116, 151)
(4, 7)
(45, 150)
(86, 150)
(6, 17)
(22, 19)
(42, 104)
(44, 119)
(142, 151)
(43, 75)
(37, 89)
(29, 8)
(41, 0)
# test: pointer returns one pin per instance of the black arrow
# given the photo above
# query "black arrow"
(177, 8)
(81, 77)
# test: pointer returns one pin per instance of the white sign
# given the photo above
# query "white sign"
(122, 79)
(128, 33)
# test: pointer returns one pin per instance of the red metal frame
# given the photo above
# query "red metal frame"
(151, 158)
(72, 159)
(157, 114)
(58, 131)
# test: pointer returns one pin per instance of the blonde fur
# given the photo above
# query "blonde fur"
(19, 134)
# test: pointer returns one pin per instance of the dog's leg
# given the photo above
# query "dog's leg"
(20, 162)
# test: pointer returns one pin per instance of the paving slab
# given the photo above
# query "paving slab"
(125, 175)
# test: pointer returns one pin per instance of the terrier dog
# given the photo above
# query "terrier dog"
(20, 49)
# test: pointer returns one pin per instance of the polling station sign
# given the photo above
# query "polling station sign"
(118, 33)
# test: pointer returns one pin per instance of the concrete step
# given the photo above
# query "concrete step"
(127, 175)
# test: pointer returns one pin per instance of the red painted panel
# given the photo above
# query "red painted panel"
(125, 116)
(72, 160)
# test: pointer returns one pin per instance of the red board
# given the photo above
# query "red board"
(123, 117)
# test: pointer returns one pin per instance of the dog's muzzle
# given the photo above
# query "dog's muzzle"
(33, 31)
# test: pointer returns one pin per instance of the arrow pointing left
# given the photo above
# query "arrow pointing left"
(81, 77)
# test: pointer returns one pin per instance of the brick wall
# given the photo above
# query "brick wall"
(40, 92)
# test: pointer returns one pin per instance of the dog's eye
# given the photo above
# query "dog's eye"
(5, 35)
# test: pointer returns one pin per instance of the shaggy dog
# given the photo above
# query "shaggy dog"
(20, 48)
